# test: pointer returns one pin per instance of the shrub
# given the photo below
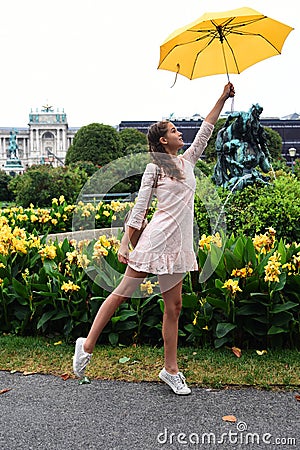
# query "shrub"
(257, 207)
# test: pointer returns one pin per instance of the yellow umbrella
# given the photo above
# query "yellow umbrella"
(222, 42)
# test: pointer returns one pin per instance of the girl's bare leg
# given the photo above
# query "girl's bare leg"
(171, 288)
(130, 282)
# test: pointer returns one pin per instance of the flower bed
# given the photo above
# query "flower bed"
(251, 298)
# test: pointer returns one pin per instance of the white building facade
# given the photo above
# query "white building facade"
(45, 141)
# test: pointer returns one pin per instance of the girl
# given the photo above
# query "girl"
(165, 247)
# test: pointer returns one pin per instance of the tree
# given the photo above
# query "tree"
(39, 184)
(97, 143)
(132, 137)
(5, 194)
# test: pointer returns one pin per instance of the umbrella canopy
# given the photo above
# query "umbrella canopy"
(222, 42)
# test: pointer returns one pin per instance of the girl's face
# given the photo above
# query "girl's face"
(172, 140)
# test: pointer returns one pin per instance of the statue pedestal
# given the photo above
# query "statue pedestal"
(13, 166)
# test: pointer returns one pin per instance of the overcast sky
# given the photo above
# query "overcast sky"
(98, 60)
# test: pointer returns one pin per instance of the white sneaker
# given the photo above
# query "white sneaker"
(80, 358)
(176, 382)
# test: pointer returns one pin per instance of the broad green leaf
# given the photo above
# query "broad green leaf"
(284, 307)
(275, 286)
(113, 338)
(189, 300)
(231, 261)
(282, 319)
(247, 310)
(219, 284)
(217, 302)
(219, 342)
(276, 330)
(19, 288)
(224, 328)
(125, 314)
(282, 250)
(239, 248)
(127, 325)
(45, 318)
(250, 254)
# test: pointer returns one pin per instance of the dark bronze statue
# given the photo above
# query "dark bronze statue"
(241, 146)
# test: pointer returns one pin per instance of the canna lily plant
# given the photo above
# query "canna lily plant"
(254, 291)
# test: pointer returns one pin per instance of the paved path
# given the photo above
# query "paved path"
(44, 412)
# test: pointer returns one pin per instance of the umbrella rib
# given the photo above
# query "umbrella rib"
(204, 48)
(190, 42)
(245, 33)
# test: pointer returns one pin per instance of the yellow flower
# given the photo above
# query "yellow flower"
(106, 213)
(195, 318)
(25, 274)
(19, 245)
(232, 286)
(114, 243)
(72, 256)
(116, 205)
(263, 243)
(22, 217)
(69, 286)
(83, 261)
(205, 241)
(54, 201)
(272, 269)
(48, 252)
(148, 287)
(19, 232)
(61, 199)
(99, 250)
(242, 273)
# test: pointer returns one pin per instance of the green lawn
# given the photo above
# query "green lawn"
(203, 367)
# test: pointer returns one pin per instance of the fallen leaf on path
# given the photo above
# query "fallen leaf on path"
(297, 397)
(123, 360)
(65, 376)
(3, 391)
(28, 373)
(229, 418)
(237, 351)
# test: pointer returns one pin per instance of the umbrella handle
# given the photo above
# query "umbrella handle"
(178, 68)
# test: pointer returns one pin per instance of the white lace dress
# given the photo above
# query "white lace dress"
(166, 244)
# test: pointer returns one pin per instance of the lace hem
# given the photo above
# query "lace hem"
(159, 264)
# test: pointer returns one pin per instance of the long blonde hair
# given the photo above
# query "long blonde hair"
(158, 152)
